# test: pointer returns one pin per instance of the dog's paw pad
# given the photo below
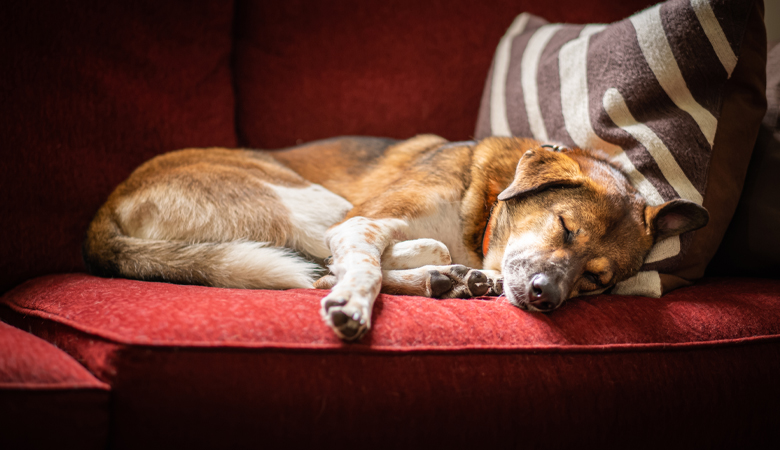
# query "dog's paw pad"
(497, 288)
(348, 322)
(440, 283)
(348, 325)
(459, 271)
(478, 283)
(458, 281)
(339, 318)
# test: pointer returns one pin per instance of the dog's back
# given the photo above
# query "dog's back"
(243, 218)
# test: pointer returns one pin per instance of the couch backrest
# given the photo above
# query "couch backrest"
(91, 89)
(309, 70)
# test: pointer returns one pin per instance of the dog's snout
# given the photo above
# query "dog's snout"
(544, 295)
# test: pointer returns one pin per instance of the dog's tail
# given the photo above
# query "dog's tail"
(108, 252)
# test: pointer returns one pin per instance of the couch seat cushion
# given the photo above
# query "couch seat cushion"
(47, 399)
(197, 366)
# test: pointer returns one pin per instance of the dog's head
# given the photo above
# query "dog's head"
(571, 224)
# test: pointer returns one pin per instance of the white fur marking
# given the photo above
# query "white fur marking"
(351, 246)
(253, 265)
(445, 226)
(415, 253)
(313, 210)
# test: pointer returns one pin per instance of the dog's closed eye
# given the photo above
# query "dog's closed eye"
(568, 235)
(593, 279)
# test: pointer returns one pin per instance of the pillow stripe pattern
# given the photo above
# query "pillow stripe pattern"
(646, 90)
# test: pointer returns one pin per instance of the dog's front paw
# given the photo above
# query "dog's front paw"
(348, 320)
(458, 281)
(496, 285)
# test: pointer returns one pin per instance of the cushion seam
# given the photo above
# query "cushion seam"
(97, 385)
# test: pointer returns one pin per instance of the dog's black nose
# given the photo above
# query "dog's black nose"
(544, 295)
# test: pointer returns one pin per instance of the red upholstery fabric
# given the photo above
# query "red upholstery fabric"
(201, 366)
(40, 365)
(307, 71)
(48, 400)
(90, 89)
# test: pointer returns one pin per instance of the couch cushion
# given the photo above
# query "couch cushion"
(91, 89)
(675, 95)
(307, 71)
(48, 400)
(197, 366)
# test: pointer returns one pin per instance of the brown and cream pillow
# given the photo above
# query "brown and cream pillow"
(674, 94)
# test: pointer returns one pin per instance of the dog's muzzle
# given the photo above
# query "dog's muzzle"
(532, 290)
(543, 294)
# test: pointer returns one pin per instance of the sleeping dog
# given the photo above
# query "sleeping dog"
(426, 217)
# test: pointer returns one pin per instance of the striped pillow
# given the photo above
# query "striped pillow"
(674, 94)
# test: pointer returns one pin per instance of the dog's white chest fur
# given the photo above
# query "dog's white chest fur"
(444, 226)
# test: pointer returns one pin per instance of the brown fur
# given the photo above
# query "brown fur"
(569, 215)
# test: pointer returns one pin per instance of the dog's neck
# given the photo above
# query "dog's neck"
(488, 233)
(492, 170)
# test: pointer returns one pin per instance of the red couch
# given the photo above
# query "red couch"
(91, 89)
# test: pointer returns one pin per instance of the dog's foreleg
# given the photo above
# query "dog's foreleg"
(451, 281)
(434, 281)
(424, 267)
(357, 245)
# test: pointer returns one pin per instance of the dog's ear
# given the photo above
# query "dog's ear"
(675, 217)
(541, 169)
